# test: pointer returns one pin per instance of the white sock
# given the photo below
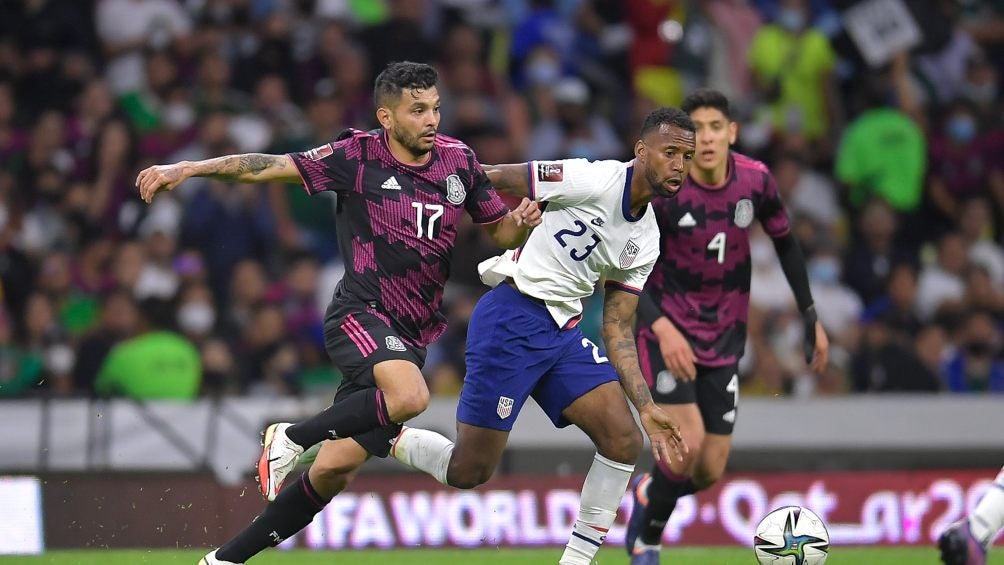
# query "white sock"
(602, 492)
(424, 450)
(988, 517)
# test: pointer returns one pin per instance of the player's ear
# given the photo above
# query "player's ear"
(733, 131)
(640, 150)
(385, 117)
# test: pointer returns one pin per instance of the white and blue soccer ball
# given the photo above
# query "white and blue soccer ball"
(791, 535)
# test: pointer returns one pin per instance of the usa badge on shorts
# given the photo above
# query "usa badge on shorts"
(744, 213)
(630, 252)
(455, 192)
(505, 407)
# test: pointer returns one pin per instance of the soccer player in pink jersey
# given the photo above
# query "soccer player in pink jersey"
(402, 191)
(694, 309)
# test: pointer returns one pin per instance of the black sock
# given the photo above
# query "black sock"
(359, 412)
(662, 496)
(291, 511)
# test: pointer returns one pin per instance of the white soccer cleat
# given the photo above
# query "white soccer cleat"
(278, 457)
(211, 559)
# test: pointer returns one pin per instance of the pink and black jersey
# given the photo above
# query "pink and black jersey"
(397, 223)
(702, 278)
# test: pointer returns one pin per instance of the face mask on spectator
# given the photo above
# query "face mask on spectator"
(178, 116)
(825, 270)
(962, 128)
(791, 19)
(196, 318)
(543, 70)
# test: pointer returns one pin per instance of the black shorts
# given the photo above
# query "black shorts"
(357, 338)
(715, 390)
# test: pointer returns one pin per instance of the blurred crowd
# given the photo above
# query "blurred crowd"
(892, 168)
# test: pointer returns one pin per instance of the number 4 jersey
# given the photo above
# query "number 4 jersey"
(702, 279)
(587, 233)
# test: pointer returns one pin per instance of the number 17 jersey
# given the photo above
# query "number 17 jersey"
(587, 233)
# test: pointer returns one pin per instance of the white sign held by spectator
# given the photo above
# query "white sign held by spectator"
(880, 29)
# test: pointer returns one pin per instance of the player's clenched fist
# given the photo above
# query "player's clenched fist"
(527, 213)
(152, 180)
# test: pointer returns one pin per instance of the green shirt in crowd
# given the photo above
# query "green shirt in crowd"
(152, 366)
(883, 153)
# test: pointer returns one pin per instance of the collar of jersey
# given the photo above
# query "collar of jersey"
(626, 198)
(386, 145)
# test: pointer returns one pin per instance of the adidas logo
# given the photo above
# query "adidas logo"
(687, 221)
(390, 184)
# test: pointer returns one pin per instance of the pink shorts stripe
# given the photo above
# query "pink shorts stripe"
(353, 334)
(365, 335)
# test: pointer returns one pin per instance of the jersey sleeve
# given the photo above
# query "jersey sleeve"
(331, 166)
(630, 280)
(567, 182)
(771, 212)
(483, 202)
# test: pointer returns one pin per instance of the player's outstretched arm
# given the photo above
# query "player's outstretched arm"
(513, 229)
(512, 179)
(618, 336)
(246, 167)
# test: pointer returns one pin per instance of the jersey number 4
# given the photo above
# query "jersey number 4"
(717, 246)
(579, 231)
(420, 219)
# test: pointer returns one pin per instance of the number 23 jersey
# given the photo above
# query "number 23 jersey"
(587, 233)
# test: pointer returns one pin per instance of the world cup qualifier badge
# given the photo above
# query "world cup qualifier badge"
(628, 254)
(455, 192)
(550, 172)
(318, 153)
(744, 213)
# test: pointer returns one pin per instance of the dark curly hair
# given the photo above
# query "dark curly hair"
(707, 98)
(669, 116)
(401, 75)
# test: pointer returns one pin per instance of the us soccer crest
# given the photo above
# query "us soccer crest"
(505, 407)
(455, 192)
(630, 252)
(744, 213)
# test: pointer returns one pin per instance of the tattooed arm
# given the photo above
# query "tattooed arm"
(618, 336)
(247, 167)
(619, 309)
(512, 179)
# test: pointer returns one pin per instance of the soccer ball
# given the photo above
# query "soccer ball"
(791, 535)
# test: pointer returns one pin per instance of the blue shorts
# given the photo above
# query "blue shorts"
(516, 350)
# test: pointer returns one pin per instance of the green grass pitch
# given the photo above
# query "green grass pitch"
(608, 556)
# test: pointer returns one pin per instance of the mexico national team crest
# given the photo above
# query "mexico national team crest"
(505, 407)
(630, 252)
(394, 343)
(744, 213)
(455, 192)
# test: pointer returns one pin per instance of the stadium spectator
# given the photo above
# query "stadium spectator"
(976, 365)
(155, 364)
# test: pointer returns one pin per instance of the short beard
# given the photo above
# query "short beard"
(411, 144)
(658, 188)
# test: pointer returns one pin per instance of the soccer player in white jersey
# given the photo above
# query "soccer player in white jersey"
(966, 542)
(523, 340)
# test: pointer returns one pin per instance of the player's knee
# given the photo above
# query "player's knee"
(468, 477)
(329, 481)
(622, 447)
(404, 406)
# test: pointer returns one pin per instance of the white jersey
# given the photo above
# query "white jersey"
(587, 233)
